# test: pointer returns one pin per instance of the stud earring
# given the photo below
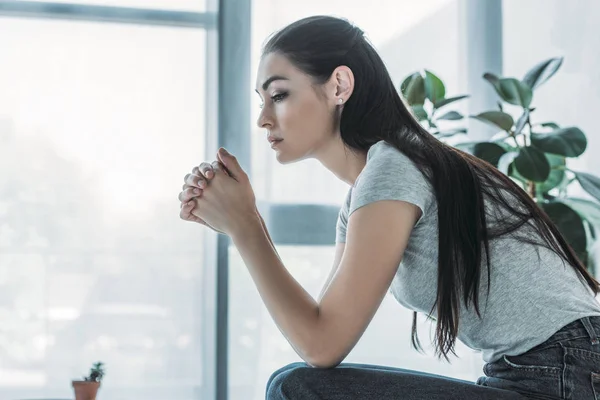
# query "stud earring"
(341, 101)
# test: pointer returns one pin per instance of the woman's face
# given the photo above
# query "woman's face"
(294, 109)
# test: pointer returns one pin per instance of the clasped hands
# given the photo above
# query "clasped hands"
(219, 195)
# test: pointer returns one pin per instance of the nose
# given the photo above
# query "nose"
(264, 119)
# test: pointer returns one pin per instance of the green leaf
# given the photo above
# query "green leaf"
(588, 210)
(556, 176)
(548, 125)
(451, 115)
(419, 112)
(498, 119)
(568, 142)
(521, 122)
(500, 137)
(505, 160)
(570, 225)
(542, 72)
(513, 173)
(467, 147)
(449, 133)
(532, 164)
(507, 147)
(443, 102)
(413, 89)
(491, 78)
(434, 87)
(511, 90)
(490, 152)
(589, 183)
(514, 92)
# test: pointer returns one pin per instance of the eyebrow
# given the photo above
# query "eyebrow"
(271, 79)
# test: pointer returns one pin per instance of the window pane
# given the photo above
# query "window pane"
(98, 125)
(175, 5)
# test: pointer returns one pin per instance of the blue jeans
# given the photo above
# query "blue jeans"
(566, 366)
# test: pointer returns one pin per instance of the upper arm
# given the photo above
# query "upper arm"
(339, 252)
(377, 236)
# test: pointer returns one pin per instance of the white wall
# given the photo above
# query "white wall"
(535, 30)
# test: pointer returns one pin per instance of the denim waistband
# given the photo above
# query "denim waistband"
(586, 327)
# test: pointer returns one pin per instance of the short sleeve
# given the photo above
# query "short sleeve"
(342, 221)
(390, 175)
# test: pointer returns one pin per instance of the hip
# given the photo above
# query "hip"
(566, 366)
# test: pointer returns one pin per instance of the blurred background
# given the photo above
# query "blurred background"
(105, 105)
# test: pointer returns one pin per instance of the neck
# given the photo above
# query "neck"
(344, 162)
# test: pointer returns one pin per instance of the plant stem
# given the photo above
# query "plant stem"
(530, 131)
(512, 135)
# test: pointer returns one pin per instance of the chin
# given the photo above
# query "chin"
(286, 157)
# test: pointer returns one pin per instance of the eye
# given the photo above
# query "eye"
(278, 97)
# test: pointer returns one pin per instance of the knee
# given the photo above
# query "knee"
(282, 381)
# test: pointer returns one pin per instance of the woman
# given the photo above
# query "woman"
(448, 234)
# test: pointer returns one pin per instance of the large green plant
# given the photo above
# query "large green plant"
(533, 154)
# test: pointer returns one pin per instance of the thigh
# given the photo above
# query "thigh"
(360, 381)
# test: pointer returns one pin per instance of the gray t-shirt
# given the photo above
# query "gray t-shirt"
(530, 297)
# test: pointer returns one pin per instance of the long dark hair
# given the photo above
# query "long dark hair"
(375, 111)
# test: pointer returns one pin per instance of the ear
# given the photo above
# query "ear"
(341, 85)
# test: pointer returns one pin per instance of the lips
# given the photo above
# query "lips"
(273, 139)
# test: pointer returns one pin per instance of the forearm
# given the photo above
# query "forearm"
(264, 226)
(294, 311)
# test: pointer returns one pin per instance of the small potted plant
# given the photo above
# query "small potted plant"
(87, 388)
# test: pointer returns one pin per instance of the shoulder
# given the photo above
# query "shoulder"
(389, 174)
(385, 160)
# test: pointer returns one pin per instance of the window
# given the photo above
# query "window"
(176, 5)
(98, 122)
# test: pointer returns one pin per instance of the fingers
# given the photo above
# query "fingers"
(186, 213)
(206, 170)
(186, 210)
(201, 175)
(230, 162)
(218, 166)
(195, 181)
(189, 193)
(198, 180)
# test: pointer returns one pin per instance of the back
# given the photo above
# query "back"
(533, 292)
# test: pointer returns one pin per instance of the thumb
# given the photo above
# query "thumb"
(231, 163)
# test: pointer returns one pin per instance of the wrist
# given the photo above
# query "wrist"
(249, 226)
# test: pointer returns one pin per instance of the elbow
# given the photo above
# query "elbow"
(326, 349)
(323, 364)
(325, 359)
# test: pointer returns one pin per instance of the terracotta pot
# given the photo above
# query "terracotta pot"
(85, 390)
